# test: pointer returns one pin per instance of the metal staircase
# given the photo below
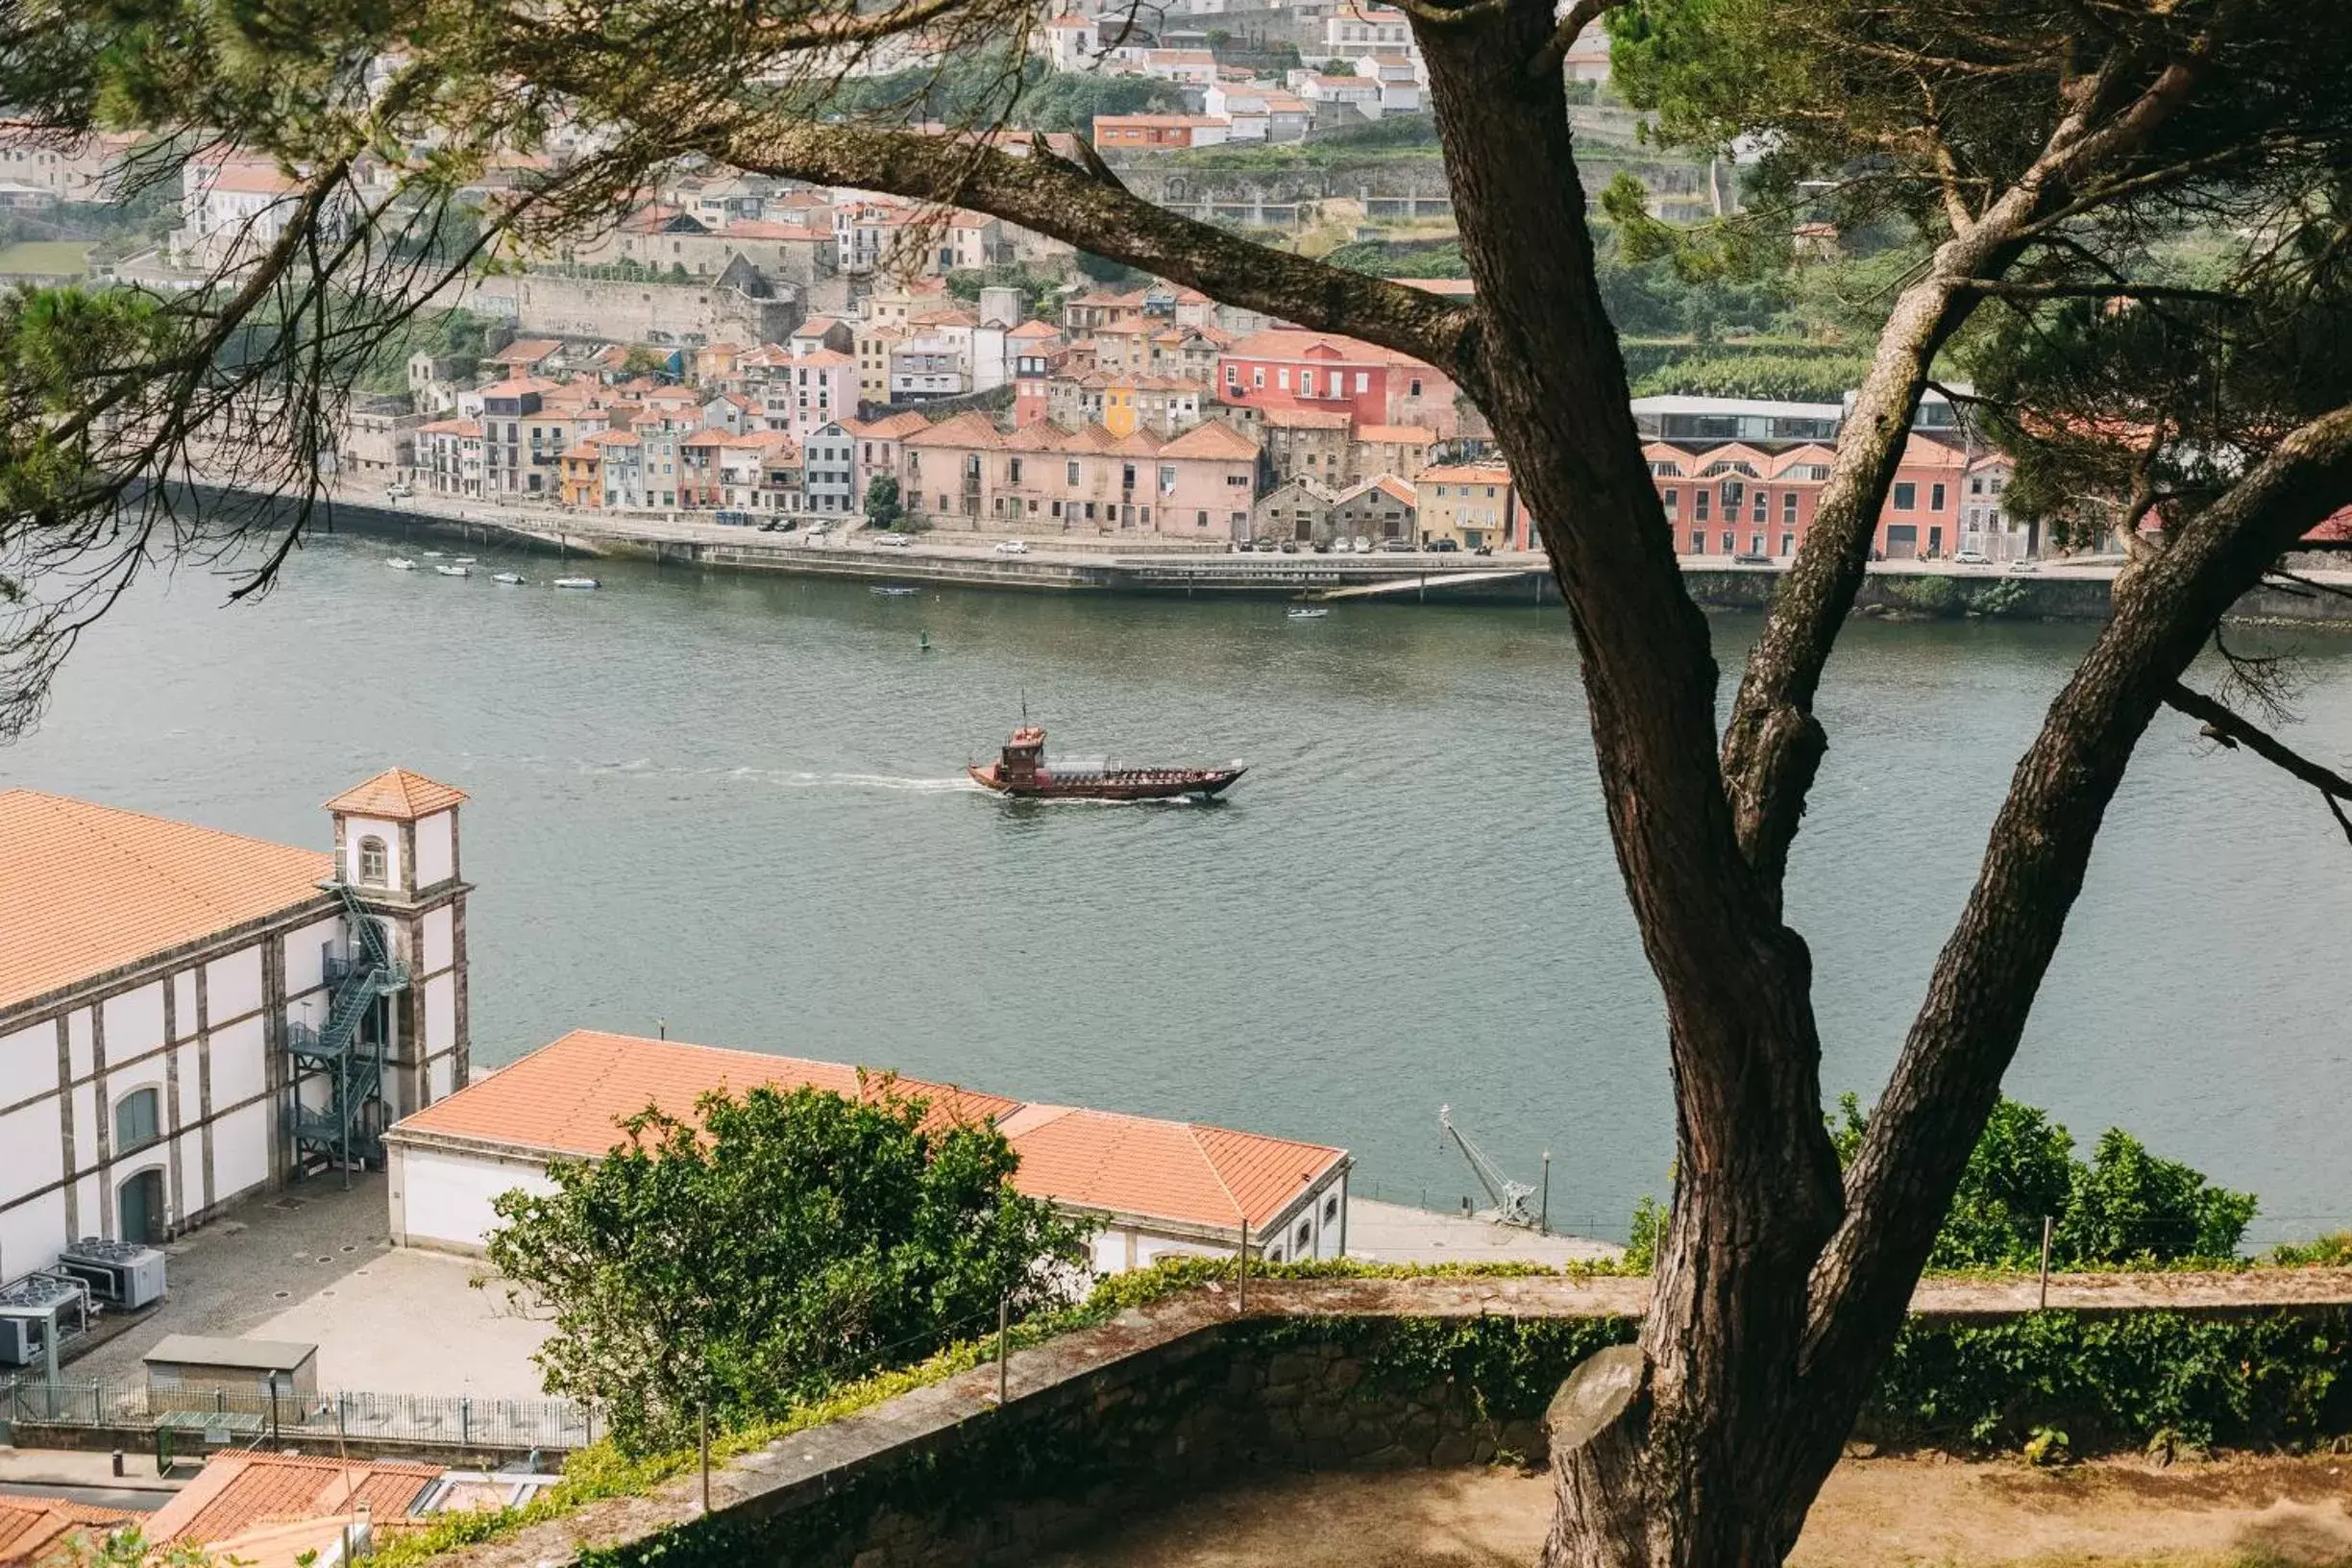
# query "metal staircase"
(344, 1052)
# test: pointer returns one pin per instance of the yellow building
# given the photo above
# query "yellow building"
(1471, 503)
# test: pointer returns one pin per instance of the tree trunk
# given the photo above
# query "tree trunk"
(1696, 1454)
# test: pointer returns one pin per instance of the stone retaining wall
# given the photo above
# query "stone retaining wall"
(1164, 1400)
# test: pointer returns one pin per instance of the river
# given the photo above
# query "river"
(732, 805)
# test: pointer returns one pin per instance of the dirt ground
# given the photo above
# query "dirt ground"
(1875, 1514)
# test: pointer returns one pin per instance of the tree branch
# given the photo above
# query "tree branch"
(1984, 982)
(2003, 289)
(1773, 745)
(1555, 52)
(1057, 198)
(2233, 730)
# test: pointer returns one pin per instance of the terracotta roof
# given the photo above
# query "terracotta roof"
(969, 429)
(450, 427)
(814, 326)
(1307, 419)
(1465, 474)
(239, 1492)
(1214, 438)
(528, 351)
(1297, 343)
(1177, 1170)
(37, 1529)
(567, 1096)
(1035, 329)
(1387, 484)
(85, 889)
(825, 356)
(895, 427)
(397, 794)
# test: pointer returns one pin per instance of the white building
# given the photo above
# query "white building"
(1159, 1187)
(188, 1017)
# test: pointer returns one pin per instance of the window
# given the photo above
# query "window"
(1976, 487)
(1306, 384)
(1168, 478)
(1282, 379)
(1699, 504)
(1200, 520)
(1070, 472)
(1788, 543)
(1306, 1233)
(1763, 506)
(1414, 388)
(1013, 470)
(1935, 498)
(1906, 497)
(1728, 544)
(1232, 375)
(1257, 376)
(1331, 1209)
(1788, 506)
(373, 862)
(137, 1121)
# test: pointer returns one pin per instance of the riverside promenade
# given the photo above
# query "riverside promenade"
(1090, 563)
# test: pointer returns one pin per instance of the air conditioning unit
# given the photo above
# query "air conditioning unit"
(28, 1312)
(20, 1340)
(128, 1274)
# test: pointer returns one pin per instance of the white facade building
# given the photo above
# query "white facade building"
(168, 997)
(1157, 1188)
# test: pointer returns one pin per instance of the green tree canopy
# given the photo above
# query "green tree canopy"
(771, 1248)
(2122, 1206)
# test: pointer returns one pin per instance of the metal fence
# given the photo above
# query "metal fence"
(125, 1402)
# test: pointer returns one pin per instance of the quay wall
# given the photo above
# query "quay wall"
(1890, 592)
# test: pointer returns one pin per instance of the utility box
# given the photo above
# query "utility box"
(274, 1380)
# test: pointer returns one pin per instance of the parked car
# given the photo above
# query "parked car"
(1396, 546)
(1340, 546)
(815, 535)
(1288, 547)
(1011, 546)
(398, 492)
(1751, 557)
(1971, 558)
(894, 541)
(1483, 549)
(1445, 547)
(2024, 565)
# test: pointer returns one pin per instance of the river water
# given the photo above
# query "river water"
(733, 804)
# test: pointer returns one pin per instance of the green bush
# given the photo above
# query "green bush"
(777, 1246)
(1929, 595)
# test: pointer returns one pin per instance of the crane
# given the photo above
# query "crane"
(1510, 1198)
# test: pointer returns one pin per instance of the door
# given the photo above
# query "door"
(140, 1209)
(1902, 541)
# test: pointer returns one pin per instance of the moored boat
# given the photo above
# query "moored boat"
(1301, 612)
(398, 563)
(508, 577)
(577, 582)
(1022, 768)
(892, 590)
(447, 570)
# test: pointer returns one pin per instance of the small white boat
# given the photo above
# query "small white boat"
(400, 563)
(508, 577)
(461, 560)
(433, 554)
(577, 582)
(447, 570)
(1302, 613)
(892, 591)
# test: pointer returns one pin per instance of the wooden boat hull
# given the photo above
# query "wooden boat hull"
(1125, 784)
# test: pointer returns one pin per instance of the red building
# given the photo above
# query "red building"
(1747, 499)
(1287, 368)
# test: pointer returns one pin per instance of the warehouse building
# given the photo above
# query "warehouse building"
(188, 1017)
(1159, 1187)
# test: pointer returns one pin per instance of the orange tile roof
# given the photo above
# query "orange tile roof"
(1307, 419)
(528, 351)
(895, 427)
(85, 890)
(237, 1492)
(397, 794)
(566, 1098)
(1213, 438)
(1298, 343)
(37, 1530)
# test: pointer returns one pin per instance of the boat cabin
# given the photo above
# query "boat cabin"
(1023, 753)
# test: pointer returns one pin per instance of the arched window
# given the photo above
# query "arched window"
(373, 862)
(138, 1120)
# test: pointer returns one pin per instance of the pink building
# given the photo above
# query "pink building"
(966, 473)
(1742, 499)
(1288, 368)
